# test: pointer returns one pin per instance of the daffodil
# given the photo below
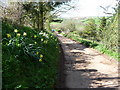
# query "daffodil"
(18, 34)
(35, 36)
(35, 42)
(37, 53)
(24, 34)
(18, 45)
(40, 60)
(42, 39)
(8, 35)
(16, 30)
(41, 56)
(45, 42)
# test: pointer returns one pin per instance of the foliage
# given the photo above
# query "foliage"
(38, 13)
(103, 30)
(66, 26)
(33, 14)
(90, 29)
(28, 58)
(98, 29)
(110, 35)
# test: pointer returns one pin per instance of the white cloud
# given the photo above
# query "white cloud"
(87, 8)
(90, 8)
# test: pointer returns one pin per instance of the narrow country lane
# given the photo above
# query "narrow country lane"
(86, 67)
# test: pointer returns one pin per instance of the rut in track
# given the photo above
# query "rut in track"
(86, 67)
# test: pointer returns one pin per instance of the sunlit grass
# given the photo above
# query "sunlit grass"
(95, 45)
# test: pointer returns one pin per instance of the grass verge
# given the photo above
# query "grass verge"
(30, 57)
(95, 45)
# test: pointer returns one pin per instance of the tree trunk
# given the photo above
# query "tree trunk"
(34, 23)
(41, 16)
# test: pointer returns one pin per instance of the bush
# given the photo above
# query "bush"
(90, 29)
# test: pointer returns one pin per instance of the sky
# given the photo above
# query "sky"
(85, 8)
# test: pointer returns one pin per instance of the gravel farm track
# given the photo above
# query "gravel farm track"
(83, 67)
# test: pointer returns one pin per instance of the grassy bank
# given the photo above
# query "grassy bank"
(29, 57)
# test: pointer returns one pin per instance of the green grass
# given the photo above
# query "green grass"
(29, 61)
(104, 50)
(94, 45)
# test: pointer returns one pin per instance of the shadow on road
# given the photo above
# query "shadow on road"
(76, 75)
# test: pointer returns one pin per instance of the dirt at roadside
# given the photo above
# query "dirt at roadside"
(86, 68)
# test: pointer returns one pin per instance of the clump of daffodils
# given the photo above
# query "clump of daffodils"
(37, 53)
(41, 56)
(42, 39)
(24, 34)
(40, 60)
(46, 42)
(8, 35)
(18, 34)
(35, 36)
(18, 45)
(15, 30)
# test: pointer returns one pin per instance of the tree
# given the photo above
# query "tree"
(12, 12)
(39, 12)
